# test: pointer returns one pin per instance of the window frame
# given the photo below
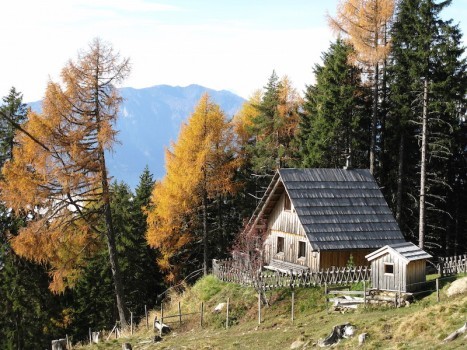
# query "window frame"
(280, 248)
(386, 265)
(301, 244)
(287, 203)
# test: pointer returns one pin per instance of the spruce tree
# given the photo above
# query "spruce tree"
(333, 124)
(426, 64)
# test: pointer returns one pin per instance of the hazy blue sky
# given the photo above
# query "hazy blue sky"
(231, 45)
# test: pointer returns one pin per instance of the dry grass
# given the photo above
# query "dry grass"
(423, 325)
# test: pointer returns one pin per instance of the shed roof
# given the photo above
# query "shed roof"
(338, 208)
(406, 251)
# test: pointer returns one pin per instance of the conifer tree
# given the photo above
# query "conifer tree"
(200, 169)
(58, 172)
(26, 305)
(366, 24)
(428, 85)
(333, 121)
(274, 126)
(15, 109)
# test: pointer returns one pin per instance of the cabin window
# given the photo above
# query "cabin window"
(301, 249)
(389, 269)
(287, 203)
(280, 244)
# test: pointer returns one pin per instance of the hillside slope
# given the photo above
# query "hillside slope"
(423, 325)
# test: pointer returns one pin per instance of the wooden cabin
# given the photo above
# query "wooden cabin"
(320, 218)
(398, 267)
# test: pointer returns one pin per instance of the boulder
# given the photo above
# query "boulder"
(459, 286)
(297, 344)
(362, 338)
(219, 308)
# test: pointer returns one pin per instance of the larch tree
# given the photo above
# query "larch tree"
(58, 173)
(365, 24)
(26, 305)
(200, 169)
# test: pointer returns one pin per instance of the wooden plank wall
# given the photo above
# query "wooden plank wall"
(416, 274)
(285, 223)
(340, 258)
(385, 281)
(285, 220)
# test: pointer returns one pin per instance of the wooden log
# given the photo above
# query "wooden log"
(113, 329)
(455, 334)
(348, 292)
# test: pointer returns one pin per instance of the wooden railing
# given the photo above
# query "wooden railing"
(229, 271)
(453, 265)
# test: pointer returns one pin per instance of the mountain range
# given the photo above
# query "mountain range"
(150, 118)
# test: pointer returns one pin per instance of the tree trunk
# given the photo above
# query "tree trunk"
(421, 225)
(374, 120)
(111, 245)
(400, 179)
(205, 233)
(109, 228)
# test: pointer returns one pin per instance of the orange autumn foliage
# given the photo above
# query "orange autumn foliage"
(56, 171)
(200, 162)
(366, 25)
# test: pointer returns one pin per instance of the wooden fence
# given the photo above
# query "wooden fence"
(228, 271)
(453, 265)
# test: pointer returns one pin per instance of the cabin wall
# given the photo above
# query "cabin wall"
(340, 258)
(416, 275)
(385, 281)
(291, 250)
(285, 220)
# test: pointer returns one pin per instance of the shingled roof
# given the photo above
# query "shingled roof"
(406, 251)
(338, 208)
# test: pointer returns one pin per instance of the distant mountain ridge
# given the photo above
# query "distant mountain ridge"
(150, 118)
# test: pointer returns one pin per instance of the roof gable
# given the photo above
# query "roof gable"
(406, 251)
(338, 209)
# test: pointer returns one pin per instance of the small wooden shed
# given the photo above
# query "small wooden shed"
(400, 266)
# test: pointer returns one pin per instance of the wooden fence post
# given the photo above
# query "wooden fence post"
(146, 315)
(67, 342)
(326, 295)
(179, 313)
(162, 319)
(259, 307)
(227, 316)
(131, 322)
(202, 312)
(437, 290)
(364, 292)
(90, 336)
(293, 305)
